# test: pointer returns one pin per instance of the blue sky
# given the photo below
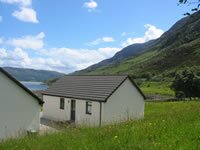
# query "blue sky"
(69, 35)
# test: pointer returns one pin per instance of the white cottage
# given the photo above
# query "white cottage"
(93, 100)
(19, 108)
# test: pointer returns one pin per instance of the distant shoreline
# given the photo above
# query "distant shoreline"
(35, 86)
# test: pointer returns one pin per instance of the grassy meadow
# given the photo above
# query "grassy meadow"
(167, 125)
(161, 88)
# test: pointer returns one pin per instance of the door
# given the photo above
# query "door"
(73, 110)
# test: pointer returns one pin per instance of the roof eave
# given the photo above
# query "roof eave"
(40, 101)
(143, 95)
(127, 77)
(86, 99)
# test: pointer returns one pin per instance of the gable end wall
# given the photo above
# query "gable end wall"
(124, 104)
(19, 111)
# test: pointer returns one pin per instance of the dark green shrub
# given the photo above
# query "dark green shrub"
(187, 82)
(180, 94)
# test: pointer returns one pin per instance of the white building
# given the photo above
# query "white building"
(93, 100)
(19, 108)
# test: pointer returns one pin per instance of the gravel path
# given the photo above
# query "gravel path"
(47, 126)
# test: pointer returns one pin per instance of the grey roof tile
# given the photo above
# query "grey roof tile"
(96, 88)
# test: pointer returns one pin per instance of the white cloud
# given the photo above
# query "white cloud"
(18, 54)
(108, 39)
(22, 56)
(1, 18)
(59, 59)
(47, 64)
(20, 2)
(28, 42)
(151, 33)
(77, 59)
(15, 58)
(91, 5)
(101, 40)
(26, 15)
(108, 52)
(3, 53)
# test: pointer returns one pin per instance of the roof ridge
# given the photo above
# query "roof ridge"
(100, 75)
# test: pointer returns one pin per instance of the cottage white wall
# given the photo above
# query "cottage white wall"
(86, 119)
(125, 103)
(52, 111)
(19, 111)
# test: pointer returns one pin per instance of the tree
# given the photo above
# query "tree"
(189, 2)
(188, 83)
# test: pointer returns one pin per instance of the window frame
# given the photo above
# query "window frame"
(88, 105)
(62, 103)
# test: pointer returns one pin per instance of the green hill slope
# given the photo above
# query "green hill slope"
(174, 50)
(23, 74)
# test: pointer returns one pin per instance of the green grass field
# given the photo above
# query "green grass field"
(167, 125)
(157, 88)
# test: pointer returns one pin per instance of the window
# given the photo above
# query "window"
(89, 108)
(62, 103)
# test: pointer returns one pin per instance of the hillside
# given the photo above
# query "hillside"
(166, 126)
(22, 74)
(176, 49)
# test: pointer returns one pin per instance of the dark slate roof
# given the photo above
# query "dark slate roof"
(95, 88)
(22, 86)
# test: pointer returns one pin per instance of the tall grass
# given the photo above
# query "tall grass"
(167, 125)
(157, 88)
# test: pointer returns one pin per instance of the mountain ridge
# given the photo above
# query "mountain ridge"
(164, 53)
(26, 74)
